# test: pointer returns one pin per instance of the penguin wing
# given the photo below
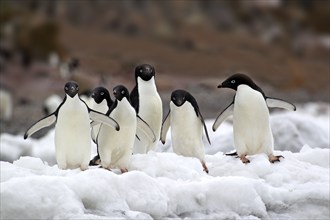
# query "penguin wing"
(205, 129)
(143, 129)
(279, 103)
(42, 123)
(98, 117)
(165, 127)
(223, 115)
(93, 133)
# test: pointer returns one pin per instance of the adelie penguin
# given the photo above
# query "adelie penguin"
(115, 148)
(101, 102)
(187, 125)
(72, 129)
(147, 104)
(252, 131)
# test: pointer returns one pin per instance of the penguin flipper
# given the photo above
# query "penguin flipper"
(42, 123)
(143, 129)
(279, 103)
(98, 117)
(223, 115)
(165, 127)
(204, 125)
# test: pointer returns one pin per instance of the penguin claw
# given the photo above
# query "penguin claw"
(205, 169)
(125, 170)
(274, 159)
(244, 159)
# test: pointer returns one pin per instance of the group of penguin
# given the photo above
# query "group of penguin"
(132, 123)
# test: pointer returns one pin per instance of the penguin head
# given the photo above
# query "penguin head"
(179, 97)
(145, 72)
(99, 94)
(71, 88)
(121, 92)
(238, 79)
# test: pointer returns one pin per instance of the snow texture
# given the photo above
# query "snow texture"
(164, 185)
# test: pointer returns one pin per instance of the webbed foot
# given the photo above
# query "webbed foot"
(274, 159)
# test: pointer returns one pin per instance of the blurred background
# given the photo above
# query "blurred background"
(284, 45)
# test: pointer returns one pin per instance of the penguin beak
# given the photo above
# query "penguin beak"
(220, 86)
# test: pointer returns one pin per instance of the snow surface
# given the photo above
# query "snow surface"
(164, 185)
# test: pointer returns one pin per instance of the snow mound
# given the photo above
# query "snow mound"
(164, 185)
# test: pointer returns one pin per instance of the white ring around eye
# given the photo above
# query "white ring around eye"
(233, 81)
(141, 70)
(102, 93)
(123, 92)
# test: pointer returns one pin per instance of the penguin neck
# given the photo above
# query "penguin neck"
(146, 87)
(74, 99)
(102, 107)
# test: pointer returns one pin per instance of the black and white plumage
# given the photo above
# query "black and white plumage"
(147, 104)
(115, 148)
(72, 129)
(101, 102)
(252, 131)
(187, 126)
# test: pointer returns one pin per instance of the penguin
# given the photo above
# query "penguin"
(6, 104)
(252, 131)
(72, 129)
(115, 148)
(101, 102)
(187, 125)
(148, 105)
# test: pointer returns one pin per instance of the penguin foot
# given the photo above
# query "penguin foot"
(95, 161)
(274, 159)
(205, 169)
(107, 168)
(83, 167)
(244, 159)
(124, 170)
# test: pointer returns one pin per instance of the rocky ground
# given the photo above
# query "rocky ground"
(197, 60)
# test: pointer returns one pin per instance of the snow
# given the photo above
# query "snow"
(164, 185)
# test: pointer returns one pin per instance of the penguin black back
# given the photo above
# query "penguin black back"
(145, 72)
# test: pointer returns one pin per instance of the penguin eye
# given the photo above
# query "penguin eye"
(66, 88)
(174, 98)
(77, 88)
(102, 93)
(141, 70)
(123, 92)
(233, 81)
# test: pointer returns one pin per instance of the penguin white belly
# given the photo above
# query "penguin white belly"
(151, 111)
(72, 135)
(186, 131)
(252, 132)
(115, 147)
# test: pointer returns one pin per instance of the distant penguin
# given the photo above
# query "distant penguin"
(51, 104)
(252, 131)
(148, 105)
(115, 148)
(101, 102)
(6, 105)
(187, 125)
(72, 129)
